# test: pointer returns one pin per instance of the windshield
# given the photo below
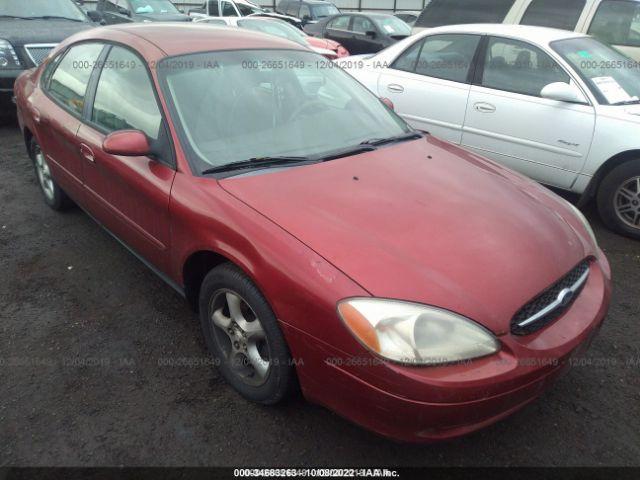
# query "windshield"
(274, 27)
(612, 77)
(321, 11)
(42, 8)
(392, 26)
(153, 6)
(237, 105)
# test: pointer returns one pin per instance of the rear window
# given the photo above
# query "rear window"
(617, 22)
(554, 14)
(454, 12)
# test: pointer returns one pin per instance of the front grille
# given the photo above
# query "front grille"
(37, 52)
(551, 303)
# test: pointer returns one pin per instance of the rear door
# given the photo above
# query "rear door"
(429, 83)
(129, 195)
(59, 111)
(508, 120)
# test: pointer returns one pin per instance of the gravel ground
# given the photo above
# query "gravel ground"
(101, 363)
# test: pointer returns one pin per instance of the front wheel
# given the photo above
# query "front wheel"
(243, 336)
(54, 196)
(619, 199)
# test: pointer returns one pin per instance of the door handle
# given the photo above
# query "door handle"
(394, 87)
(87, 153)
(484, 107)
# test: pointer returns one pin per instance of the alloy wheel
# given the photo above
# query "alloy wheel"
(627, 202)
(44, 174)
(240, 336)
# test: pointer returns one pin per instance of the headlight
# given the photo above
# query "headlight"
(415, 334)
(585, 222)
(8, 57)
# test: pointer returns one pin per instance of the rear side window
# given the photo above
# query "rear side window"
(554, 14)
(518, 67)
(362, 24)
(617, 22)
(68, 83)
(448, 57)
(454, 12)
(213, 8)
(125, 97)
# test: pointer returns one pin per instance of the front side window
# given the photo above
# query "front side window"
(454, 12)
(613, 78)
(305, 13)
(617, 22)
(362, 24)
(293, 9)
(68, 83)
(554, 14)
(125, 98)
(340, 23)
(153, 6)
(228, 10)
(518, 67)
(236, 105)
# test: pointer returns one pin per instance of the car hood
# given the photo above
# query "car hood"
(164, 17)
(20, 32)
(425, 221)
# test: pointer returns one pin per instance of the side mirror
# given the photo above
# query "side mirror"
(127, 143)
(563, 92)
(370, 34)
(95, 16)
(388, 103)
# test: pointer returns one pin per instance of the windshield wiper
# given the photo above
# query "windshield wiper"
(627, 102)
(376, 142)
(16, 16)
(55, 17)
(257, 162)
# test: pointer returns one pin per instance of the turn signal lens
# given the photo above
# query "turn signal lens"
(360, 326)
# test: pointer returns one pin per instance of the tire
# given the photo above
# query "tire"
(252, 357)
(53, 195)
(619, 199)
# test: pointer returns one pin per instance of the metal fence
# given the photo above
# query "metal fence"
(345, 5)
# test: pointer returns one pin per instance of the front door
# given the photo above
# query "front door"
(129, 195)
(507, 119)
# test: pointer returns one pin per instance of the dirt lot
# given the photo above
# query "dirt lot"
(101, 363)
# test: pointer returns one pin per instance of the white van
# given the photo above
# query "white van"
(616, 22)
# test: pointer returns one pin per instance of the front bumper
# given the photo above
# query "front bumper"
(437, 403)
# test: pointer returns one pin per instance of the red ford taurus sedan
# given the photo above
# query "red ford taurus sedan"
(409, 285)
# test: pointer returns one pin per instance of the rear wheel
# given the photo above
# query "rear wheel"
(243, 336)
(54, 196)
(619, 199)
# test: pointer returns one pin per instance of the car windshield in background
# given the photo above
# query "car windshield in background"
(274, 27)
(612, 77)
(322, 11)
(153, 6)
(239, 105)
(42, 9)
(392, 26)
(617, 22)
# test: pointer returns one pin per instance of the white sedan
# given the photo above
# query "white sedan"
(560, 107)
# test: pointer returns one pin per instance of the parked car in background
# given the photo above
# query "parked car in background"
(238, 8)
(419, 290)
(29, 30)
(127, 11)
(557, 106)
(408, 17)
(616, 22)
(273, 26)
(309, 11)
(361, 32)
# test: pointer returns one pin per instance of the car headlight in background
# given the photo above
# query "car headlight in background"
(8, 57)
(415, 334)
(585, 222)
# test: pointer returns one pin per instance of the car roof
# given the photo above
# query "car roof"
(177, 39)
(540, 35)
